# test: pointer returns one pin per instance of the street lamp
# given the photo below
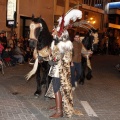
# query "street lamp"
(91, 20)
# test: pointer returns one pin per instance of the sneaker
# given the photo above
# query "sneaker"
(117, 66)
(73, 88)
(32, 61)
(76, 84)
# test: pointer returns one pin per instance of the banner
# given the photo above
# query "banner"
(11, 9)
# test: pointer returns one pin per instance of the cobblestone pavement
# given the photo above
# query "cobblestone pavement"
(17, 101)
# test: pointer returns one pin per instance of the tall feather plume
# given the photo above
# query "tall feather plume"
(84, 24)
(64, 21)
(73, 8)
(61, 26)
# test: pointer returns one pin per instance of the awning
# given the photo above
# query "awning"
(114, 26)
(112, 5)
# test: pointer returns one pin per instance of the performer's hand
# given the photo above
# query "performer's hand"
(72, 64)
(90, 52)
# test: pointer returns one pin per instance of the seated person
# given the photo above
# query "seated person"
(1, 48)
(19, 54)
(28, 54)
(13, 59)
(5, 55)
(0, 60)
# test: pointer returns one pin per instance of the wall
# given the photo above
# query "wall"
(45, 8)
(3, 15)
(27, 8)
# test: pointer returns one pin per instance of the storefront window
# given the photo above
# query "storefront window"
(93, 18)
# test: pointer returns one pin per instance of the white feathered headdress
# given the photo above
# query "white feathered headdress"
(62, 34)
(64, 20)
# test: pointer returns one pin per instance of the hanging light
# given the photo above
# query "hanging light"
(91, 18)
(94, 22)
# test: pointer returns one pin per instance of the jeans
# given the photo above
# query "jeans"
(20, 58)
(75, 73)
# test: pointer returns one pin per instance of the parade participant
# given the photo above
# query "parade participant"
(76, 61)
(61, 57)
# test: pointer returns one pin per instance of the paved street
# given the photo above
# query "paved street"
(97, 99)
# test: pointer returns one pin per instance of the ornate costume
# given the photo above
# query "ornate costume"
(61, 70)
(61, 56)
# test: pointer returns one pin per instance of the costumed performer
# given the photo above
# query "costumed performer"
(61, 56)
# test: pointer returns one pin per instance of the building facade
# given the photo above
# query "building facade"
(93, 11)
(25, 9)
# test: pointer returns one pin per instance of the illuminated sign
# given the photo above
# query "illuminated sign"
(11, 22)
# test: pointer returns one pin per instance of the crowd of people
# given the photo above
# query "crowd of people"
(15, 51)
(108, 44)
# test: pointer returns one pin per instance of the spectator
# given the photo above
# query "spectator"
(13, 59)
(1, 47)
(0, 60)
(28, 54)
(19, 54)
(12, 41)
(25, 44)
(5, 56)
(3, 39)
